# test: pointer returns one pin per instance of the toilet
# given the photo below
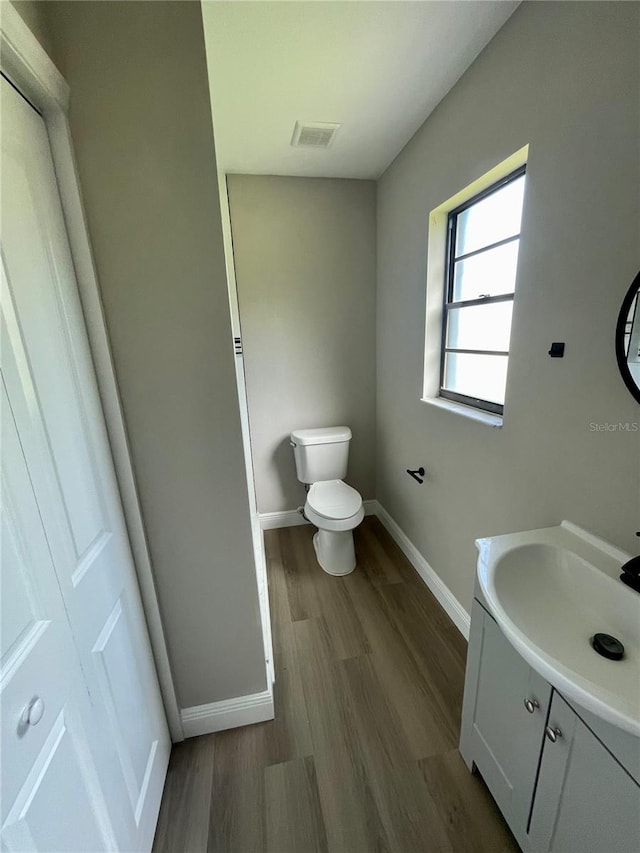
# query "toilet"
(335, 508)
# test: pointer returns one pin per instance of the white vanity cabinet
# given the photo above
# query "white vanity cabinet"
(585, 800)
(558, 786)
(504, 714)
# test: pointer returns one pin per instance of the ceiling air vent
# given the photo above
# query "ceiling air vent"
(314, 134)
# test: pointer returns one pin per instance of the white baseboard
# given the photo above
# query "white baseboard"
(228, 714)
(291, 517)
(448, 601)
(288, 518)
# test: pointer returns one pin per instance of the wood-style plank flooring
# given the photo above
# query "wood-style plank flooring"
(362, 754)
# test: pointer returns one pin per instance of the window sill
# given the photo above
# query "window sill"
(472, 414)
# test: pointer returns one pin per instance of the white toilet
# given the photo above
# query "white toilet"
(332, 506)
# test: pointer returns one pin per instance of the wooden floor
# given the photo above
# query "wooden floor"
(362, 754)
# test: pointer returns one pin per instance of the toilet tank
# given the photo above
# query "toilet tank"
(321, 454)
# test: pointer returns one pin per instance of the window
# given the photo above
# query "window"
(483, 237)
(629, 323)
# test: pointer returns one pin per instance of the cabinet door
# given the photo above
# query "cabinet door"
(585, 801)
(500, 736)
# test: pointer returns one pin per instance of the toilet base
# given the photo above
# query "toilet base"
(335, 551)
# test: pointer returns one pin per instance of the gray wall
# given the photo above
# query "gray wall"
(141, 125)
(565, 78)
(305, 258)
(32, 13)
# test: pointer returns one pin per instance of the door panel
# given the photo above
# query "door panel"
(122, 691)
(21, 621)
(54, 810)
(36, 279)
(52, 386)
(39, 660)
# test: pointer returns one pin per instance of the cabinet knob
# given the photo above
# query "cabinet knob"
(531, 705)
(553, 733)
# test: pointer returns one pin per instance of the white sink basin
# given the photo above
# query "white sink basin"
(550, 591)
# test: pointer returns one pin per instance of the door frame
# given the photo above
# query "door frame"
(25, 62)
(257, 533)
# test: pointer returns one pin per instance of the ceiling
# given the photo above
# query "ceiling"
(377, 68)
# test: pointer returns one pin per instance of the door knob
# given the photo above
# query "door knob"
(531, 705)
(553, 733)
(33, 713)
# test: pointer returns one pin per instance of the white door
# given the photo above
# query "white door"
(52, 391)
(46, 770)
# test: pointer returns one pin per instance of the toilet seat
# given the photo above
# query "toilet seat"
(333, 506)
(334, 500)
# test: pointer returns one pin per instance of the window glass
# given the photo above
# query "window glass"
(493, 218)
(486, 327)
(490, 273)
(482, 376)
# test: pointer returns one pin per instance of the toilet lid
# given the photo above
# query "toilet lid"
(334, 499)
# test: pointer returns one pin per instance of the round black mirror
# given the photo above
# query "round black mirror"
(628, 339)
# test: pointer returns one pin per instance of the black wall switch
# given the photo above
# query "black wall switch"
(557, 349)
